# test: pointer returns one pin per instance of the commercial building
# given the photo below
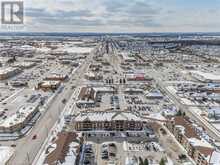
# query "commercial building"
(214, 113)
(18, 120)
(93, 76)
(127, 57)
(88, 95)
(17, 111)
(8, 72)
(187, 135)
(59, 73)
(56, 77)
(24, 65)
(108, 121)
(133, 91)
(137, 77)
(205, 77)
(48, 85)
(5, 60)
(95, 67)
(154, 94)
(6, 154)
(18, 83)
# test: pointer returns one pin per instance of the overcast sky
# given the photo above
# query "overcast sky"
(122, 15)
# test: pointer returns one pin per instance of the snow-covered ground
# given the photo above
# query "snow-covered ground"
(5, 154)
(215, 159)
(75, 49)
(216, 125)
(53, 134)
(71, 155)
(131, 161)
(157, 116)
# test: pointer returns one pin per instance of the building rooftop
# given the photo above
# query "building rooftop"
(87, 93)
(189, 131)
(6, 70)
(18, 106)
(208, 76)
(107, 116)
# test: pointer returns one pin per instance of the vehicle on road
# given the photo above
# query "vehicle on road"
(13, 145)
(34, 137)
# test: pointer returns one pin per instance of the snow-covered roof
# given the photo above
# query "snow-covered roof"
(90, 74)
(131, 161)
(7, 70)
(24, 64)
(107, 116)
(19, 106)
(197, 142)
(133, 90)
(215, 158)
(215, 110)
(103, 89)
(128, 57)
(209, 76)
(75, 49)
(154, 93)
(49, 83)
(157, 116)
(19, 116)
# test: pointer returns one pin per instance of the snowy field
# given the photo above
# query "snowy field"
(75, 49)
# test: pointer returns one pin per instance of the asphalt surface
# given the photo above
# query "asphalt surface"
(26, 148)
(211, 130)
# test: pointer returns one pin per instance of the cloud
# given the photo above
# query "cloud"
(40, 13)
(82, 13)
(122, 15)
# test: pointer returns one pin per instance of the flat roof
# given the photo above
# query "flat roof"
(107, 116)
(19, 105)
(205, 75)
(5, 70)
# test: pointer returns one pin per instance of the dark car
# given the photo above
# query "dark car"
(13, 145)
(34, 137)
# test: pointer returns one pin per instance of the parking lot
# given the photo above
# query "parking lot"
(6, 92)
(125, 145)
(119, 151)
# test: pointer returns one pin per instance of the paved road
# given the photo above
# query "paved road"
(27, 148)
(211, 130)
(30, 147)
(172, 146)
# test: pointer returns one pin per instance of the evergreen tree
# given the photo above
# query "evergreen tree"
(141, 162)
(162, 161)
(146, 162)
(179, 113)
(184, 114)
